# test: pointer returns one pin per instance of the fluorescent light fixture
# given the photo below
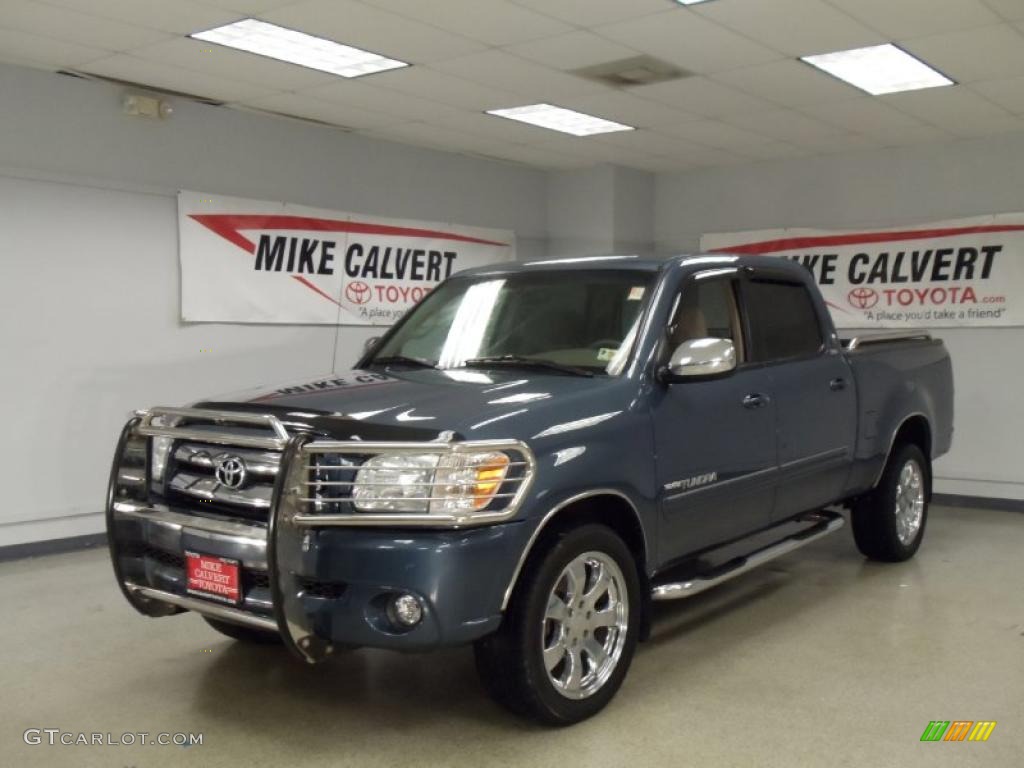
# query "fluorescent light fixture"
(560, 119)
(691, 2)
(284, 44)
(879, 69)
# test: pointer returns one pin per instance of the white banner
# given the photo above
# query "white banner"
(251, 261)
(967, 272)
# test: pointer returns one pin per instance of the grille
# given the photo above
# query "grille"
(236, 480)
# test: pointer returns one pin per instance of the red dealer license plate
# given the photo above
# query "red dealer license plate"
(213, 577)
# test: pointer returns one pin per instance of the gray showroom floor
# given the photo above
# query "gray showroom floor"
(820, 659)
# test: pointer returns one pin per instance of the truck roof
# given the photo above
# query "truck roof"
(632, 263)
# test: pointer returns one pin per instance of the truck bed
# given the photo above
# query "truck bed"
(898, 376)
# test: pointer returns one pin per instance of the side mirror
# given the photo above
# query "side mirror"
(370, 343)
(701, 358)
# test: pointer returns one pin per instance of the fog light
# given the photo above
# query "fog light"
(406, 610)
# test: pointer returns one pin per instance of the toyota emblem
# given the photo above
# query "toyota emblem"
(229, 470)
(862, 298)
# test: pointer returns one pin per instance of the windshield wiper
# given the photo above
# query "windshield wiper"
(418, 362)
(526, 362)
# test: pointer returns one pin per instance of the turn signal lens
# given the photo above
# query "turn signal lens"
(489, 478)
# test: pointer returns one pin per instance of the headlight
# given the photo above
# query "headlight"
(429, 482)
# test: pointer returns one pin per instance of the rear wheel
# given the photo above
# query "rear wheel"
(889, 522)
(570, 630)
(243, 634)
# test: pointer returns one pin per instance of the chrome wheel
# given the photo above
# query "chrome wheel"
(909, 501)
(585, 625)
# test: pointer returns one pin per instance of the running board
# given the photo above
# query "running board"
(828, 522)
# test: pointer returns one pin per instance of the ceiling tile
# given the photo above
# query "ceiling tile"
(26, 48)
(840, 142)
(970, 129)
(789, 82)
(1011, 10)
(494, 22)
(900, 19)
(864, 115)
(572, 50)
(714, 133)
(590, 13)
(622, 106)
(300, 105)
(909, 135)
(946, 107)
(701, 96)
(973, 54)
(503, 70)
(650, 142)
(169, 77)
(437, 137)
(248, 6)
(427, 83)
(353, 93)
(374, 29)
(795, 27)
(232, 64)
(74, 27)
(689, 41)
(496, 128)
(784, 125)
(536, 156)
(178, 17)
(773, 150)
(1009, 94)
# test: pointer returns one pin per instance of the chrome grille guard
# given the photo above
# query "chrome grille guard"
(293, 509)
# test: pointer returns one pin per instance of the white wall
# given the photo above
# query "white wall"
(89, 281)
(893, 187)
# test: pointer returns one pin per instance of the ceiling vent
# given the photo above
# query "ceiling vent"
(627, 73)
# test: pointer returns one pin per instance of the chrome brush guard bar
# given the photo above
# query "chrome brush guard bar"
(283, 541)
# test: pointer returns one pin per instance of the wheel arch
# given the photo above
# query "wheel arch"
(602, 505)
(915, 429)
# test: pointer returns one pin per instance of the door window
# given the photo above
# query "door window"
(708, 309)
(783, 321)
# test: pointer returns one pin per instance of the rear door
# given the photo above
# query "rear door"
(815, 406)
(715, 438)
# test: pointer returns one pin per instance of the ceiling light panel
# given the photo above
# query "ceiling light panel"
(294, 47)
(879, 69)
(560, 119)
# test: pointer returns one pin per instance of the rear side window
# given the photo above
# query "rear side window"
(783, 321)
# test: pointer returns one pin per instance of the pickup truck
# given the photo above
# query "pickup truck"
(527, 461)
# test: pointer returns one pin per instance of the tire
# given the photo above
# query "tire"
(595, 567)
(889, 522)
(243, 634)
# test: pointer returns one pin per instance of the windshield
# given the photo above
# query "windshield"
(575, 319)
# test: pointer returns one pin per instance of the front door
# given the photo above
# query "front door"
(714, 439)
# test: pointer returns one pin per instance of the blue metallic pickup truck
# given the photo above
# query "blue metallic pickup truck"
(526, 461)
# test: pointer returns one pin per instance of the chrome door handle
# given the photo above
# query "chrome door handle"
(837, 385)
(755, 400)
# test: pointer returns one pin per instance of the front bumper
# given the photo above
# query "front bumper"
(319, 586)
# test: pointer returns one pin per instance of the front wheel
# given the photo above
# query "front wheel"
(888, 523)
(570, 630)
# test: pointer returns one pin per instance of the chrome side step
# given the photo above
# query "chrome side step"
(829, 522)
(204, 607)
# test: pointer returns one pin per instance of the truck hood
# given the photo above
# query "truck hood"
(422, 404)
